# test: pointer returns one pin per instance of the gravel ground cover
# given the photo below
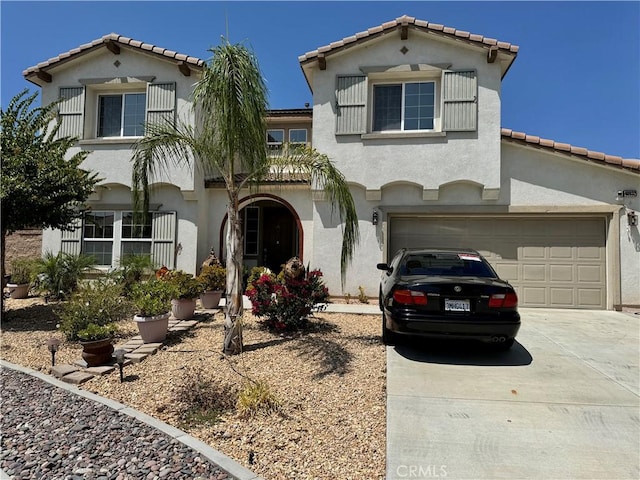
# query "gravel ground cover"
(329, 384)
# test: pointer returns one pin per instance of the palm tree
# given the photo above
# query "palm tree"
(230, 102)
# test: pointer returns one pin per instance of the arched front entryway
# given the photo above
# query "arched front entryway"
(272, 231)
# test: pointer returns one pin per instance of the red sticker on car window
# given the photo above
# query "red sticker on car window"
(466, 256)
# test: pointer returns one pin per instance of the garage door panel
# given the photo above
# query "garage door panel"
(536, 296)
(561, 273)
(552, 262)
(534, 273)
(506, 271)
(589, 253)
(562, 297)
(590, 273)
(590, 297)
(561, 252)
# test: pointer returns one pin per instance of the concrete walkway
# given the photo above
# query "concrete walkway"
(563, 403)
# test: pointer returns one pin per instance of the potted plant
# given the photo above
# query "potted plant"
(152, 301)
(22, 275)
(186, 290)
(213, 279)
(90, 316)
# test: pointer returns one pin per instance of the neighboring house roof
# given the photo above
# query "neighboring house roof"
(571, 150)
(403, 24)
(113, 41)
(290, 112)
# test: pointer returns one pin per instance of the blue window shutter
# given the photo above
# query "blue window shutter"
(163, 235)
(460, 101)
(72, 239)
(351, 104)
(161, 103)
(71, 112)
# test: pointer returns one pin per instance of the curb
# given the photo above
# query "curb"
(226, 463)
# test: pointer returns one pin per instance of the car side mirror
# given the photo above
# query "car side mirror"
(385, 267)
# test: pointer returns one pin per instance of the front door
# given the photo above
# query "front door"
(278, 237)
(270, 235)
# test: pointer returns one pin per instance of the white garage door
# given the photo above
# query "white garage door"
(552, 262)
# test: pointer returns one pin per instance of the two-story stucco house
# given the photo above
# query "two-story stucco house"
(410, 112)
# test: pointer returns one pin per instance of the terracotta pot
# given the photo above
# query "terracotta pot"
(18, 290)
(97, 352)
(183, 308)
(211, 299)
(153, 329)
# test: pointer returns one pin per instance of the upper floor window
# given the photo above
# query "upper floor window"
(275, 139)
(404, 106)
(121, 115)
(403, 102)
(298, 135)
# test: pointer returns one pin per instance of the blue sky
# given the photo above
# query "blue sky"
(576, 79)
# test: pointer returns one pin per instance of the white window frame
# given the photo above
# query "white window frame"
(123, 96)
(117, 240)
(275, 147)
(436, 104)
(306, 136)
(132, 240)
(84, 239)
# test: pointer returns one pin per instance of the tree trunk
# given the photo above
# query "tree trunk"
(233, 308)
(2, 254)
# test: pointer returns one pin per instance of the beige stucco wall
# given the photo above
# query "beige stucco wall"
(428, 161)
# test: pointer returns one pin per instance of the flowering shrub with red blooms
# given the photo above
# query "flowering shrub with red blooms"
(283, 303)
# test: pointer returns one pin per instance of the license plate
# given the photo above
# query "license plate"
(457, 305)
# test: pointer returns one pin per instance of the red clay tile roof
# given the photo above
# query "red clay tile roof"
(422, 25)
(580, 152)
(112, 37)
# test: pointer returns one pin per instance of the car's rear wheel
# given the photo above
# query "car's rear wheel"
(388, 337)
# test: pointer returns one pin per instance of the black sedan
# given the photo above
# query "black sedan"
(446, 293)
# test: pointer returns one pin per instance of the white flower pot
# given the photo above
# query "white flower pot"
(153, 329)
(18, 290)
(211, 299)
(183, 308)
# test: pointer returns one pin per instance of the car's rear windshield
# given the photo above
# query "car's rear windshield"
(446, 264)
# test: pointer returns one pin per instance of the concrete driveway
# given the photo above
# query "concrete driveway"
(563, 403)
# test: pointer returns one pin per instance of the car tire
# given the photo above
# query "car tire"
(388, 337)
(504, 346)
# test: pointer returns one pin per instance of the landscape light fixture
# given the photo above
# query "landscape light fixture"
(52, 345)
(119, 354)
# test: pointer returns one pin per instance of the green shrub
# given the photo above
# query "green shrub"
(152, 297)
(134, 269)
(23, 270)
(94, 332)
(184, 285)
(284, 303)
(59, 274)
(100, 303)
(213, 277)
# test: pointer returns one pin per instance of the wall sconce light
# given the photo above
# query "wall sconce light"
(374, 217)
(119, 354)
(52, 345)
(632, 218)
